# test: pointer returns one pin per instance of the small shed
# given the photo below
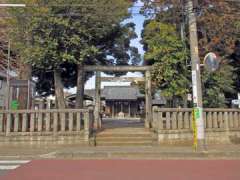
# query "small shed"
(15, 91)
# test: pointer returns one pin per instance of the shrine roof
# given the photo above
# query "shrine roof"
(121, 93)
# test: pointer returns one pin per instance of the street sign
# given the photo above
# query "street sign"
(211, 62)
(236, 101)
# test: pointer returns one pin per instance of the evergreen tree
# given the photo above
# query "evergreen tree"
(64, 38)
(213, 18)
(166, 52)
(216, 85)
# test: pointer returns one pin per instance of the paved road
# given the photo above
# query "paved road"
(127, 170)
(3, 172)
(9, 165)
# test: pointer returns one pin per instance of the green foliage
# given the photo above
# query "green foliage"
(218, 31)
(60, 37)
(216, 85)
(166, 52)
(56, 39)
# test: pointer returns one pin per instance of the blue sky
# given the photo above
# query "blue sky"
(138, 20)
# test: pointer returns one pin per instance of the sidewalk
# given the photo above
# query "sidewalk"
(157, 152)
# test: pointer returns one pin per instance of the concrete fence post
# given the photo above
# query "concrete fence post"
(70, 121)
(8, 124)
(235, 119)
(155, 115)
(24, 122)
(16, 122)
(226, 123)
(86, 126)
(32, 122)
(174, 120)
(40, 117)
(55, 123)
(215, 120)
(230, 120)
(1, 122)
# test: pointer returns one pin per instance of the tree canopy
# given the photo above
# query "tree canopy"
(64, 36)
(166, 51)
(218, 31)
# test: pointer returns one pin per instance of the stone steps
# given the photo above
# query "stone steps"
(125, 137)
(123, 144)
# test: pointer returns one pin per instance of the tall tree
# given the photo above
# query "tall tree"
(21, 37)
(68, 36)
(213, 17)
(166, 51)
(217, 85)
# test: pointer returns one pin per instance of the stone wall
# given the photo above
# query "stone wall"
(174, 126)
(46, 126)
(172, 137)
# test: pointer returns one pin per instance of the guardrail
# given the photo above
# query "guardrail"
(46, 122)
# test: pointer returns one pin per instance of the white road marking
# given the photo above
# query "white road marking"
(9, 165)
(14, 162)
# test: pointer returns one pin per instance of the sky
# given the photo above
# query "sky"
(138, 20)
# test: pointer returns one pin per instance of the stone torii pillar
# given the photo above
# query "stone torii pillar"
(97, 109)
(148, 101)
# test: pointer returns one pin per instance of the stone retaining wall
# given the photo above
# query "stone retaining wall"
(174, 126)
(46, 126)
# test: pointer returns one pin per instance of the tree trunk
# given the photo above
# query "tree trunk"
(185, 101)
(59, 94)
(25, 74)
(80, 88)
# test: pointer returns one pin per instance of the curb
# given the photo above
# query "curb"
(149, 155)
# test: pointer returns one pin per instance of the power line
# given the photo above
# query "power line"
(130, 10)
(3, 5)
(107, 14)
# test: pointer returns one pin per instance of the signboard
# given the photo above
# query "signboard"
(239, 100)
(236, 101)
(211, 62)
(189, 97)
(194, 80)
(14, 105)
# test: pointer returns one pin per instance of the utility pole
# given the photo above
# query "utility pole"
(196, 75)
(8, 77)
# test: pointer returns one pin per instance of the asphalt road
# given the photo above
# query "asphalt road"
(127, 170)
(3, 172)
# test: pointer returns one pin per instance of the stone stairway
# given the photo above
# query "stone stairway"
(125, 133)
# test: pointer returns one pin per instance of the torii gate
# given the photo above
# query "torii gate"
(148, 96)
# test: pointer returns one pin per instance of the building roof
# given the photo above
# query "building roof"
(121, 93)
(114, 93)
(161, 101)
